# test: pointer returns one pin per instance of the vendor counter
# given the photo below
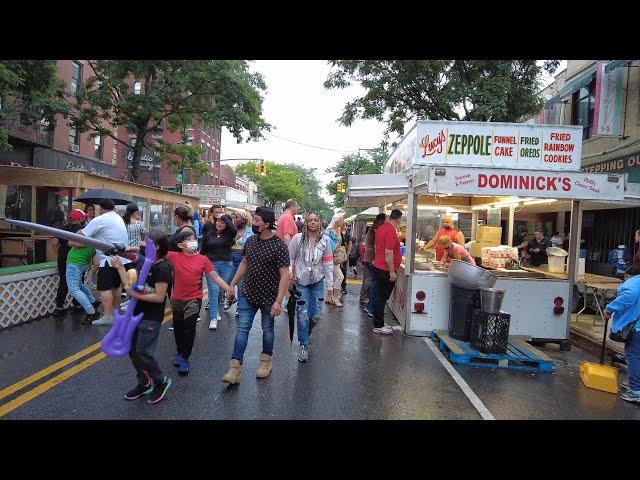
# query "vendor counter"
(28, 292)
(421, 302)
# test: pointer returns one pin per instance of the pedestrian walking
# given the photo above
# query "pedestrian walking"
(216, 245)
(73, 225)
(182, 220)
(265, 268)
(311, 263)
(152, 380)
(135, 228)
(89, 213)
(186, 298)
(108, 227)
(334, 232)
(626, 307)
(385, 265)
(243, 222)
(344, 267)
(287, 227)
(369, 288)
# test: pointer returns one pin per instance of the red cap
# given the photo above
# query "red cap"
(76, 215)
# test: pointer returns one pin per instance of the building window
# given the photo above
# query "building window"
(76, 77)
(137, 88)
(97, 147)
(73, 138)
(583, 107)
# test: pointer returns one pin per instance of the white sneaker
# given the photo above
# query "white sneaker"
(198, 319)
(103, 321)
(395, 328)
(386, 330)
(124, 305)
(218, 317)
(213, 324)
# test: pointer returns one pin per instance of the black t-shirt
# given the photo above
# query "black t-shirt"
(540, 258)
(262, 278)
(518, 239)
(173, 245)
(160, 273)
(63, 248)
(218, 248)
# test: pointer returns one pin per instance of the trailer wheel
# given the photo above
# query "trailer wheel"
(565, 346)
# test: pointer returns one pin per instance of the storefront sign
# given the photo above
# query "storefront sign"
(509, 145)
(525, 183)
(147, 161)
(606, 117)
(626, 164)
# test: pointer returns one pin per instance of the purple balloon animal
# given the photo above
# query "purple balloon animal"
(117, 342)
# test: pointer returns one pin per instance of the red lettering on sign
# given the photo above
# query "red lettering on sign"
(482, 180)
(429, 147)
(494, 181)
(566, 184)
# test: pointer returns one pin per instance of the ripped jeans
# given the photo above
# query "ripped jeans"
(309, 306)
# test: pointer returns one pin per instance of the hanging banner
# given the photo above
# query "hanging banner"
(606, 117)
(525, 183)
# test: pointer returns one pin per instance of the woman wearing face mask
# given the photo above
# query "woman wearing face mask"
(216, 245)
(243, 221)
(311, 263)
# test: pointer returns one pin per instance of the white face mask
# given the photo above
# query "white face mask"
(192, 246)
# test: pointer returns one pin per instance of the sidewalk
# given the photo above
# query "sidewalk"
(589, 336)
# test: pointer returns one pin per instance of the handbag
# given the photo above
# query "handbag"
(624, 335)
(340, 255)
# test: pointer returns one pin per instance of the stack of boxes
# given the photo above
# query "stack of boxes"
(486, 236)
(497, 257)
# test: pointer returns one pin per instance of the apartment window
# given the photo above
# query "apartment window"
(73, 138)
(137, 88)
(76, 77)
(583, 107)
(97, 147)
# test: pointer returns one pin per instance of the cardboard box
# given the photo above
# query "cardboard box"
(485, 233)
(476, 248)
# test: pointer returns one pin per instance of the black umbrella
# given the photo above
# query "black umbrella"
(294, 293)
(97, 194)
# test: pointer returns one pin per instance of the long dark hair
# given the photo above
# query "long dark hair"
(131, 209)
(183, 214)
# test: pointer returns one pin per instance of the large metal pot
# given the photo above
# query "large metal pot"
(465, 275)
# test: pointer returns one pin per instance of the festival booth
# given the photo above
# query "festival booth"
(464, 169)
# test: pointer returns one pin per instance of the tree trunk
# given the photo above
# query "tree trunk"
(137, 155)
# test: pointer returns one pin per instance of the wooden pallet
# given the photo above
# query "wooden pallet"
(520, 355)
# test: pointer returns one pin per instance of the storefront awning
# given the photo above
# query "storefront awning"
(615, 64)
(574, 85)
(375, 190)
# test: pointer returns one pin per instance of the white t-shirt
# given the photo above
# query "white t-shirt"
(108, 227)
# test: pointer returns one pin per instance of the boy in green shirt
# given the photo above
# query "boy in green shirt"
(78, 261)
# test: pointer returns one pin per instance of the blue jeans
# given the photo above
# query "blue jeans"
(143, 350)
(236, 258)
(373, 291)
(77, 288)
(309, 306)
(247, 313)
(632, 355)
(223, 269)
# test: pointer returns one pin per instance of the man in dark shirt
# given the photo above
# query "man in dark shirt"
(266, 264)
(520, 240)
(537, 249)
(63, 250)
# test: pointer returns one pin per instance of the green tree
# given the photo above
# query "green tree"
(31, 93)
(354, 164)
(147, 96)
(278, 185)
(310, 199)
(400, 91)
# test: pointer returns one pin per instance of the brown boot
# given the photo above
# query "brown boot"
(234, 374)
(265, 366)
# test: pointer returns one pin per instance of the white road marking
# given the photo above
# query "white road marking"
(466, 389)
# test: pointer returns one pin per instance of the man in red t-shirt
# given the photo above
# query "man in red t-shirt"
(186, 298)
(385, 265)
(287, 227)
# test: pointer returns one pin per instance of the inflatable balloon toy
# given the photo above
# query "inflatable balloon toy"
(117, 342)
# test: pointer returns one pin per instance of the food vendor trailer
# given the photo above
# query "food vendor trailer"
(461, 167)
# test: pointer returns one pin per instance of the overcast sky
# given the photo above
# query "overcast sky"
(300, 109)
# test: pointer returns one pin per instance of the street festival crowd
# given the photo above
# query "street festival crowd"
(260, 263)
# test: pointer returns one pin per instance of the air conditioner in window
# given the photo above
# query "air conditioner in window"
(75, 148)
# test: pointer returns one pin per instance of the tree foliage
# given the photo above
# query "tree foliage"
(400, 91)
(173, 95)
(31, 94)
(354, 164)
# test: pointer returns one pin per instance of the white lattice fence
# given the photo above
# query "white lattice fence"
(26, 296)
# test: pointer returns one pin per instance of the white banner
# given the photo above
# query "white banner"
(606, 117)
(525, 183)
(509, 145)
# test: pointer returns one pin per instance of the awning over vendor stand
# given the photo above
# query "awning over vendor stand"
(615, 64)
(376, 189)
(574, 85)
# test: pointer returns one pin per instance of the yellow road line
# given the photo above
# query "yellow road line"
(49, 384)
(353, 282)
(52, 368)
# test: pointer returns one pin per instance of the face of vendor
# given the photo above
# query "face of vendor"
(539, 236)
(447, 222)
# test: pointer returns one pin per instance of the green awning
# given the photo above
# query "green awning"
(615, 64)
(572, 86)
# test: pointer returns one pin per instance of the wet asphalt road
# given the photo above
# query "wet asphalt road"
(351, 374)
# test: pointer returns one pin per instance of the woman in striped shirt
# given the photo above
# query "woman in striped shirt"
(135, 227)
